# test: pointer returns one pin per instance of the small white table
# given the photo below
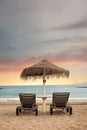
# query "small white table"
(44, 100)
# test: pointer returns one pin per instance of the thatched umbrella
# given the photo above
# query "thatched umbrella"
(44, 69)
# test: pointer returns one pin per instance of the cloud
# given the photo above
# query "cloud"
(65, 39)
(41, 28)
(72, 54)
(76, 25)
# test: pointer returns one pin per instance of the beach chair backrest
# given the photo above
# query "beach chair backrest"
(27, 99)
(60, 98)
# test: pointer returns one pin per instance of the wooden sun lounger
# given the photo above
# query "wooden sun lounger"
(59, 101)
(28, 102)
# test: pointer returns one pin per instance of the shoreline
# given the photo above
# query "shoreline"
(39, 99)
(48, 102)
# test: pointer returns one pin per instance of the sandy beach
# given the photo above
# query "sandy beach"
(60, 120)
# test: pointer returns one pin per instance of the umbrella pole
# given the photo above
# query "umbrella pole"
(44, 97)
(44, 81)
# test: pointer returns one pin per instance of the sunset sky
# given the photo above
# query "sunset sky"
(33, 30)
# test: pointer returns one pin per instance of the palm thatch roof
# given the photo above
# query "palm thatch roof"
(44, 68)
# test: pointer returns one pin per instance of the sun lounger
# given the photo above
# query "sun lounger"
(59, 101)
(28, 102)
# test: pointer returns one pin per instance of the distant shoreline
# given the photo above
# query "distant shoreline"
(82, 87)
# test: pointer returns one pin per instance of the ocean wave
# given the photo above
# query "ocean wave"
(40, 99)
(9, 99)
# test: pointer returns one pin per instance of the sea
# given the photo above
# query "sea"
(11, 93)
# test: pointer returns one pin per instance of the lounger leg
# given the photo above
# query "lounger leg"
(36, 112)
(67, 109)
(20, 110)
(17, 111)
(70, 111)
(51, 111)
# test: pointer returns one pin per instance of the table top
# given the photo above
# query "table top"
(43, 97)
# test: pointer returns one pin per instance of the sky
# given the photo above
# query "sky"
(33, 30)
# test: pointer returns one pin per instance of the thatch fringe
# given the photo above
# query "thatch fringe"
(36, 72)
